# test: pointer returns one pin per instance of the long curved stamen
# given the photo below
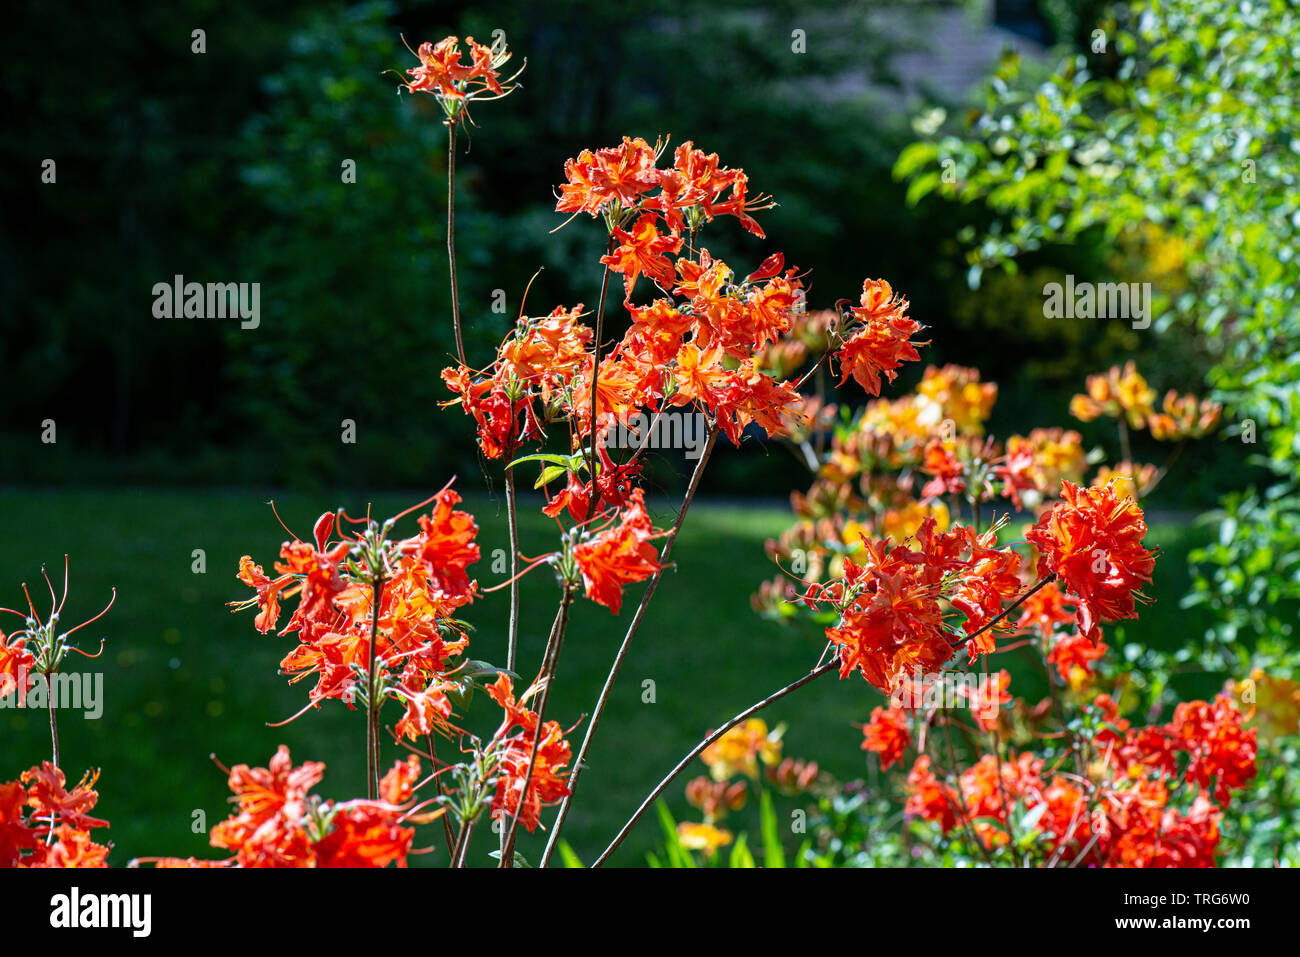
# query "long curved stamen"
(96, 618)
(521, 574)
(420, 505)
(281, 521)
(87, 654)
(33, 615)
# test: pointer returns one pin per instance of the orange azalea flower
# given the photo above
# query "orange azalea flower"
(890, 619)
(740, 749)
(363, 835)
(492, 408)
(1074, 655)
(542, 353)
(702, 837)
(955, 393)
(397, 786)
(618, 174)
(447, 548)
(619, 556)
(279, 824)
(15, 660)
(715, 798)
(883, 343)
(886, 734)
(444, 72)
(990, 578)
(700, 376)
(929, 798)
(15, 836)
(1221, 750)
(1116, 392)
(548, 784)
(51, 801)
(72, 847)
(1183, 417)
(1045, 609)
(1092, 542)
(641, 251)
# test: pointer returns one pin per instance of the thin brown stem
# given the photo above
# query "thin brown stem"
(54, 740)
(372, 694)
(437, 785)
(962, 639)
(512, 520)
(452, 125)
(595, 378)
(966, 824)
(621, 656)
(548, 679)
(699, 748)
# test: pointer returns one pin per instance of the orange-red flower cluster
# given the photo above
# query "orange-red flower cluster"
(883, 340)
(1130, 812)
(43, 824)
(425, 580)
(1092, 542)
(619, 556)
(891, 621)
(279, 823)
(444, 72)
(513, 745)
(886, 734)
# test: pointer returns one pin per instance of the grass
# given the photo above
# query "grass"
(184, 678)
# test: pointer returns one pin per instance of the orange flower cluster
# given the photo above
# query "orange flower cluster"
(1092, 542)
(43, 824)
(881, 337)
(741, 748)
(1126, 393)
(444, 73)
(619, 556)
(891, 621)
(278, 823)
(694, 190)
(887, 735)
(514, 750)
(1125, 813)
(424, 580)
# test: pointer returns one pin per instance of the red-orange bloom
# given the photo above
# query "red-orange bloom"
(447, 548)
(883, 343)
(886, 734)
(1092, 541)
(642, 251)
(444, 72)
(618, 174)
(619, 556)
(548, 784)
(1220, 749)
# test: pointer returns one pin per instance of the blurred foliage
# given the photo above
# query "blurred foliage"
(228, 166)
(1178, 133)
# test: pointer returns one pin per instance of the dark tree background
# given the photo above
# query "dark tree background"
(226, 166)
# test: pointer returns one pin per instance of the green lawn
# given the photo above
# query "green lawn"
(184, 678)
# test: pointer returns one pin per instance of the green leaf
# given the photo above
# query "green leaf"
(773, 854)
(568, 856)
(740, 854)
(678, 856)
(549, 474)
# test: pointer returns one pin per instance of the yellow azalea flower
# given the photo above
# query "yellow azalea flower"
(1271, 703)
(740, 749)
(702, 837)
(902, 523)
